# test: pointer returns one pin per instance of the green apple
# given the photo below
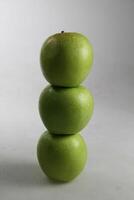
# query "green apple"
(65, 110)
(61, 157)
(66, 59)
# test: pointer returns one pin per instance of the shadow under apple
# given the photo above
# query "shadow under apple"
(22, 173)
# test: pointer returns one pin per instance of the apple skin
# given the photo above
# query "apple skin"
(61, 157)
(65, 110)
(66, 59)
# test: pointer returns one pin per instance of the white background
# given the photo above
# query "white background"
(24, 25)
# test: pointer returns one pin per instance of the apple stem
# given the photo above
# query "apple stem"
(62, 31)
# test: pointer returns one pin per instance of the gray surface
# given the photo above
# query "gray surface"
(24, 25)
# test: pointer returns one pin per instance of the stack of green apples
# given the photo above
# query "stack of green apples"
(65, 106)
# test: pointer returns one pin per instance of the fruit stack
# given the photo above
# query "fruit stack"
(65, 106)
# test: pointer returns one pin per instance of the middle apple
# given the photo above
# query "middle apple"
(65, 110)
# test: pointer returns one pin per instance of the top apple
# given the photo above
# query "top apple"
(66, 59)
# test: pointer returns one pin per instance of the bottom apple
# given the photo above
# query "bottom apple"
(61, 157)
